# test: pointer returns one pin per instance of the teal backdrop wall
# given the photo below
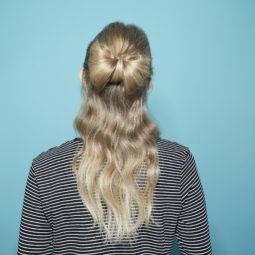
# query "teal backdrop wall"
(202, 96)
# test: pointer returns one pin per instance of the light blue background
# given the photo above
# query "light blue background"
(203, 95)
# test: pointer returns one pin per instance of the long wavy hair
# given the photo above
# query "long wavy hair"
(117, 167)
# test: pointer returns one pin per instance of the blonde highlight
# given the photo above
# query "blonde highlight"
(117, 167)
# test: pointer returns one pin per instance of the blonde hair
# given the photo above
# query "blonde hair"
(117, 167)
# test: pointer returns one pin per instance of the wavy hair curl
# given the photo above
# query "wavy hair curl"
(117, 167)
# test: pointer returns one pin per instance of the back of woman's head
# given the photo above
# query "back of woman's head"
(119, 55)
(117, 165)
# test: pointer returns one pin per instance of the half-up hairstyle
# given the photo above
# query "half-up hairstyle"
(117, 166)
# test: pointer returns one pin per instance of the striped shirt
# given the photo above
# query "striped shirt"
(54, 219)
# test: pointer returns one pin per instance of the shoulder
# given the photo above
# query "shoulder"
(173, 149)
(179, 158)
(174, 162)
(57, 154)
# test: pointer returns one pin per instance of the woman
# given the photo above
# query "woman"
(118, 188)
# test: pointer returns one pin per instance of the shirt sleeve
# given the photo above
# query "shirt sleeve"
(35, 232)
(192, 230)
